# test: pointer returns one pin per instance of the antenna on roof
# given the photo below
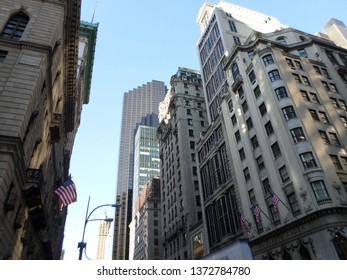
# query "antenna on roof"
(94, 11)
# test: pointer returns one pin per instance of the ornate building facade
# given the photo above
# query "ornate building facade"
(42, 89)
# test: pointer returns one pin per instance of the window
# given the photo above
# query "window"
(267, 59)
(281, 92)
(335, 103)
(191, 132)
(262, 109)
(233, 119)
(257, 92)
(336, 162)
(284, 174)
(269, 129)
(193, 157)
(333, 88)
(189, 112)
(242, 154)
(260, 163)
(249, 123)
(281, 40)
(254, 142)
(325, 73)
(246, 174)
(306, 81)
(331, 57)
(308, 160)
(276, 150)
(324, 137)
(232, 26)
(230, 105)
(192, 144)
(266, 185)
(289, 113)
(240, 92)
(326, 86)
(314, 115)
(237, 136)
(302, 52)
(15, 26)
(274, 75)
(297, 134)
(252, 77)
(298, 65)
(297, 78)
(3, 55)
(334, 140)
(237, 40)
(343, 59)
(190, 121)
(323, 117)
(314, 98)
(245, 107)
(235, 71)
(293, 202)
(320, 190)
(290, 63)
(304, 94)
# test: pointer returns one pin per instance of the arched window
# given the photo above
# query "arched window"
(15, 26)
(340, 244)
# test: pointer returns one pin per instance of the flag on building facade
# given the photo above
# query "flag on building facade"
(256, 212)
(275, 200)
(67, 192)
(244, 223)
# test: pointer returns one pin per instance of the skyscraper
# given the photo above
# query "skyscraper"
(140, 107)
(103, 236)
(183, 120)
(277, 100)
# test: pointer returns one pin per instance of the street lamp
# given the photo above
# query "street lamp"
(82, 245)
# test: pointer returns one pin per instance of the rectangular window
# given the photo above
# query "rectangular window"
(314, 98)
(254, 142)
(336, 162)
(297, 78)
(242, 154)
(314, 115)
(257, 92)
(249, 123)
(320, 190)
(344, 162)
(233, 120)
(344, 121)
(326, 86)
(289, 113)
(334, 101)
(237, 136)
(334, 139)
(306, 81)
(308, 160)
(235, 71)
(298, 134)
(267, 59)
(237, 40)
(252, 77)
(290, 63)
(305, 95)
(323, 117)
(298, 65)
(324, 137)
(260, 163)
(281, 92)
(293, 202)
(284, 174)
(240, 92)
(302, 52)
(232, 26)
(266, 185)
(333, 88)
(269, 129)
(190, 121)
(262, 109)
(244, 107)
(247, 174)
(276, 150)
(274, 75)
(191, 132)
(343, 105)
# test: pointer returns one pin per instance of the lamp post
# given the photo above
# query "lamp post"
(82, 244)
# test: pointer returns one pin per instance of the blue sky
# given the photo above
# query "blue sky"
(139, 41)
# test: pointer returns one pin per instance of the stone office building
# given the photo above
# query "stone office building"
(273, 163)
(42, 89)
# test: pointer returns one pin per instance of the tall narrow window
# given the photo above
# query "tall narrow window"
(289, 113)
(281, 92)
(267, 59)
(319, 190)
(274, 75)
(3, 55)
(15, 26)
(308, 160)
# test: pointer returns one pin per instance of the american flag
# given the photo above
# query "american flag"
(244, 223)
(256, 212)
(275, 201)
(67, 192)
